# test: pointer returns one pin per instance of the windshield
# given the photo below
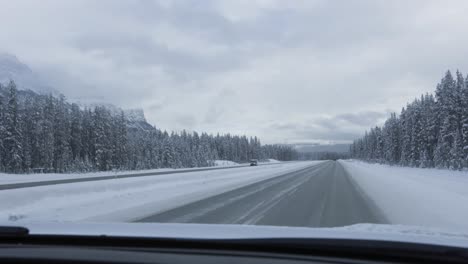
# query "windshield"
(311, 114)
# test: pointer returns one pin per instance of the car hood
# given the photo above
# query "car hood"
(375, 232)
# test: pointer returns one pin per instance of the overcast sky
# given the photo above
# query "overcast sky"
(286, 71)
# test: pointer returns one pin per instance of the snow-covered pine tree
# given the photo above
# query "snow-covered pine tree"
(47, 135)
(27, 127)
(417, 134)
(406, 127)
(102, 143)
(2, 131)
(12, 141)
(120, 141)
(61, 130)
(380, 145)
(447, 97)
(431, 128)
(456, 153)
(442, 151)
(76, 131)
(464, 121)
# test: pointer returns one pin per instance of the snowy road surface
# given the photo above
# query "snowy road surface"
(318, 196)
(130, 198)
(312, 193)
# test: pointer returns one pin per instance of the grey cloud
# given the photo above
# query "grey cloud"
(141, 51)
(329, 135)
(338, 128)
(185, 120)
(368, 118)
(213, 114)
(218, 106)
(326, 123)
(317, 132)
(319, 70)
(283, 126)
(321, 132)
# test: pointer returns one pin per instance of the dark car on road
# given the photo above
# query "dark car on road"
(253, 162)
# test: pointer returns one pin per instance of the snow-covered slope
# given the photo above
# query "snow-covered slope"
(135, 117)
(224, 163)
(413, 196)
(13, 69)
(272, 161)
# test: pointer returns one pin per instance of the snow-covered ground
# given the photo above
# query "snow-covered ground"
(38, 177)
(218, 163)
(412, 196)
(129, 198)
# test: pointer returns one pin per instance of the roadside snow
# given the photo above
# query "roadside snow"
(129, 199)
(272, 161)
(225, 163)
(413, 196)
(38, 177)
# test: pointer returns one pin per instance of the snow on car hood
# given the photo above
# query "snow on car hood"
(376, 232)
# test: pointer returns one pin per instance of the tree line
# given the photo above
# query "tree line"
(432, 131)
(45, 133)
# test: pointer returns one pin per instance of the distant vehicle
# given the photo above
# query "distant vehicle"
(253, 162)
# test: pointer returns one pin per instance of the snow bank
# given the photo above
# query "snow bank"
(38, 177)
(129, 199)
(413, 196)
(272, 161)
(224, 163)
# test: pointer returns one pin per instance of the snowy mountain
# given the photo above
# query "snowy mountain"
(135, 117)
(13, 69)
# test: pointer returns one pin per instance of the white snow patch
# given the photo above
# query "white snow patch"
(272, 161)
(129, 199)
(412, 196)
(429, 233)
(218, 163)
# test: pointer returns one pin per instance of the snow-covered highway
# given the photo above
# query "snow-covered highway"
(317, 196)
(127, 198)
(312, 193)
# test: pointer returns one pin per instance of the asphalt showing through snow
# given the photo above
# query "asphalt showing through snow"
(319, 196)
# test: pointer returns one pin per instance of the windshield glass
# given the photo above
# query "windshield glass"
(266, 113)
